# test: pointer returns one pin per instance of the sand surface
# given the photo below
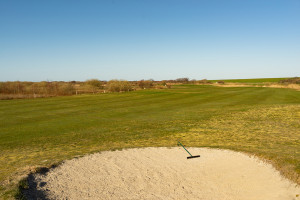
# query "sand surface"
(164, 173)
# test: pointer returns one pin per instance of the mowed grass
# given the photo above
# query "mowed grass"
(254, 80)
(41, 132)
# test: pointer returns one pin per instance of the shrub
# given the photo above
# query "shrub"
(94, 84)
(164, 83)
(145, 84)
(193, 81)
(17, 89)
(118, 86)
(295, 80)
(182, 80)
(169, 86)
(204, 81)
(66, 89)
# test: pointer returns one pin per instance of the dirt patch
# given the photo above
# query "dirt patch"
(164, 173)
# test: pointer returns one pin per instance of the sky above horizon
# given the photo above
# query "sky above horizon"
(65, 40)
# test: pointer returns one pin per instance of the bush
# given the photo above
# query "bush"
(164, 83)
(204, 81)
(94, 84)
(17, 89)
(295, 80)
(118, 86)
(66, 89)
(145, 84)
(182, 80)
(193, 81)
(169, 86)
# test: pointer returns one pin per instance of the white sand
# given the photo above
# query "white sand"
(163, 173)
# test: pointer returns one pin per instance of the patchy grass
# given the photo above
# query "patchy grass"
(40, 132)
(270, 132)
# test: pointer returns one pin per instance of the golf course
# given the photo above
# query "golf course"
(42, 132)
(150, 100)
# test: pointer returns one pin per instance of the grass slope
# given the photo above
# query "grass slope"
(40, 132)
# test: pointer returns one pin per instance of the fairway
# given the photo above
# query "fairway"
(42, 132)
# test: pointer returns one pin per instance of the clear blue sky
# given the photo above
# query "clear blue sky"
(142, 39)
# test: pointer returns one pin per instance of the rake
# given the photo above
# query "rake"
(191, 156)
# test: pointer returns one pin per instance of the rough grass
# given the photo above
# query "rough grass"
(254, 80)
(271, 132)
(41, 132)
(270, 85)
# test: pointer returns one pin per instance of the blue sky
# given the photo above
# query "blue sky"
(141, 39)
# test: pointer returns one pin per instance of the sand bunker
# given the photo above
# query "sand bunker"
(163, 173)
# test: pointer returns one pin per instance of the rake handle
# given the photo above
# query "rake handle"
(185, 149)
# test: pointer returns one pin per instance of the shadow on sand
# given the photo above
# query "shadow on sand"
(33, 190)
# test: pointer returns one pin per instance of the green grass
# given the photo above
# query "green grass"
(254, 80)
(41, 132)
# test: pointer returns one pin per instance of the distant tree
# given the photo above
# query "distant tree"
(182, 80)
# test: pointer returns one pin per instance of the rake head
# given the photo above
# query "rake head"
(193, 157)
